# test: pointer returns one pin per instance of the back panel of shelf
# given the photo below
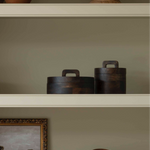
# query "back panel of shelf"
(89, 128)
(31, 49)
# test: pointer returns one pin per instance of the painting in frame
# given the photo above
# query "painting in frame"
(23, 134)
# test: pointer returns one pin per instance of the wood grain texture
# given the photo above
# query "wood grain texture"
(70, 85)
(110, 80)
(17, 1)
(1, 148)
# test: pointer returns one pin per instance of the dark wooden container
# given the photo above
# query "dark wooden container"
(70, 85)
(1, 148)
(17, 1)
(110, 80)
(100, 149)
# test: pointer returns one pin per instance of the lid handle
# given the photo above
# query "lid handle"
(71, 71)
(105, 63)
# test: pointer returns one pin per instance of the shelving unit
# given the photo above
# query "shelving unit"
(40, 40)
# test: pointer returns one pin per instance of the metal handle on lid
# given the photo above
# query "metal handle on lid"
(70, 71)
(105, 63)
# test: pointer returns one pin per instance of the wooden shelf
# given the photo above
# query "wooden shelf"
(44, 100)
(75, 10)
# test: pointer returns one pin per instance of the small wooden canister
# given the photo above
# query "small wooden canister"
(110, 80)
(70, 85)
(17, 1)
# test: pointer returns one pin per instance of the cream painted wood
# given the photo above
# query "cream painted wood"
(84, 1)
(43, 100)
(74, 10)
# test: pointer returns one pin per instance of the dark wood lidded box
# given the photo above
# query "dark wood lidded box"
(100, 149)
(1, 148)
(70, 85)
(110, 80)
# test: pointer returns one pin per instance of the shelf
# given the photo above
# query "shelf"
(44, 100)
(74, 10)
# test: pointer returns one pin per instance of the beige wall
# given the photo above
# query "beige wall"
(89, 128)
(31, 49)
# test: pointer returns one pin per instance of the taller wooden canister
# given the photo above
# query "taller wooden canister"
(110, 80)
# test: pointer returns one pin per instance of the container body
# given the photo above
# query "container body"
(1, 148)
(70, 88)
(110, 80)
(70, 85)
(17, 1)
(110, 84)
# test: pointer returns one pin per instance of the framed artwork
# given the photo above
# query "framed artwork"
(23, 134)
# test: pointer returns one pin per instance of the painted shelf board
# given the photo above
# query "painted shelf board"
(75, 10)
(44, 100)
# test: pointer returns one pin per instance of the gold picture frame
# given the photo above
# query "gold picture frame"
(43, 123)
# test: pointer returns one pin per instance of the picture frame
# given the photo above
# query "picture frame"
(37, 128)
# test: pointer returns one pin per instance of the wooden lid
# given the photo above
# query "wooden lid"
(115, 70)
(65, 78)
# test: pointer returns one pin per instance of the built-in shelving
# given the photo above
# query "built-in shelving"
(43, 100)
(26, 60)
(74, 10)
